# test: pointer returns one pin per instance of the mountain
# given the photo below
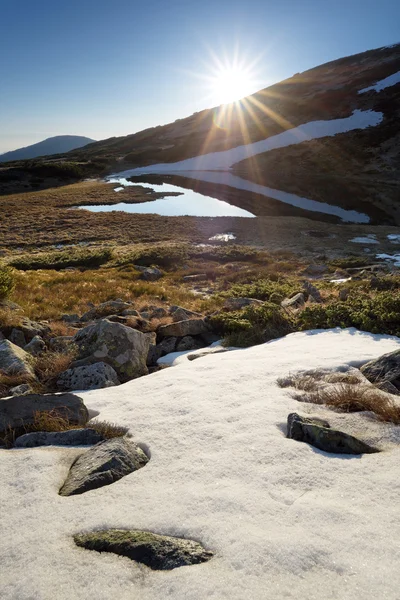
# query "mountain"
(357, 169)
(53, 145)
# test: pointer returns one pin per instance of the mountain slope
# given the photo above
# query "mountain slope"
(53, 145)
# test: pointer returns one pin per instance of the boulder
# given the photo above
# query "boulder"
(183, 328)
(151, 274)
(103, 464)
(344, 294)
(122, 347)
(19, 411)
(188, 343)
(32, 328)
(89, 377)
(17, 337)
(159, 552)
(72, 437)
(111, 307)
(74, 318)
(384, 368)
(239, 303)
(181, 314)
(21, 390)
(315, 270)
(15, 361)
(318, 433)
(36, 346)
(296, 301)
(130, 312)
(61, 343)
(311, 290)
(388, 387)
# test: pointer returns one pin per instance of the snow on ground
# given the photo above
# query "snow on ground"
(382, 84)
(394, 238)
(393, 258)
(284, 520)
(364, 240)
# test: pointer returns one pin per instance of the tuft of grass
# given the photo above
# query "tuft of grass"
(7, 281)
(74, 257)
(108, 429)
(49, 365)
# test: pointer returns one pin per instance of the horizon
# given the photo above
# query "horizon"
(96, 75)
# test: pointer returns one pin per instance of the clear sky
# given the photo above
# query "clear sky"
(111, 67)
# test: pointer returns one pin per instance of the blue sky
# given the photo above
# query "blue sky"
(112, 67)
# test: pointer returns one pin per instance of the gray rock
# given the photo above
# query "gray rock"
(32, 328)
(188, 343)
(311, 290)
(72, 437)
(151, 274)
(316, 270)
(124, 348)
(89, 377)
(344, 294)
(318, 433)
(15, 361)
(181, 314)
(19, 411)
(388, 387)
(159, 552)
(61, 343)
(111, 307)
(296, 301)
(384, 368)
(183, 328)
(103, 464)
(36, 346)
(74, 318)
(17, 337)
(130, 312)
(197, 277)
(239, 303)
(21, 390)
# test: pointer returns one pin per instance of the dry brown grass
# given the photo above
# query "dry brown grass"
(314, 380)
(59, 328)
(49, 365)
(9, 381)
(108, 429)
(10, 318)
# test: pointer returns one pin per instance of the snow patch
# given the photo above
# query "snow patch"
(222, 237)
(382, 84)
(365, 240)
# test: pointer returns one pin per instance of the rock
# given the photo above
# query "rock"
(315, 270)
(89, 377)
(239, 303)
(36, 346)
(103, 464)
(311, 290)
(157, 312)
(318, 433)
(32, 328)
(388, 387)
(181, 314)
(112, 307)
(216, 350)
(72, 437)
(17, 337)
(19, 411)
(159, 552)
(14, 360)
(124, 348)
(74, 318)
(183, 328)
(384, 368)
(151, 274)
(188, 343)
(197, 277)
(61, 343)
(167, 345)
(130, 312)
(21, 390)
(344, 294)
(296, 301)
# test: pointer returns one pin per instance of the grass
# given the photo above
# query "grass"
(7, 282)
(73, 257)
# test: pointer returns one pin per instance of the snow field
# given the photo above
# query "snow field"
(284, 520)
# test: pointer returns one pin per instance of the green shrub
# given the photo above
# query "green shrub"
(7, 282)
(253, 325)
(350, 262)
(264, 289)
(160, 256)
(74, 257)
(223, 254)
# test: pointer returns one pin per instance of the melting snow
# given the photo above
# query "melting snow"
(284, 520)
(382, 84)
(222, 237)
(394, 238)
(364, 240)
(394, 258)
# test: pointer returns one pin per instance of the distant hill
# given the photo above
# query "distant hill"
(53, 145)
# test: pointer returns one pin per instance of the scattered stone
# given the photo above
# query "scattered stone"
(21, 390)
(112, 307)
(311, 290)
(167, 345)
(159, 552)
(384, 368)
(19, 411)
(130, 312)
(72, 437)
(181, 314)
(36, 346)
(124, 348)
(103, 464)
(89, 377)
(239, 303)
(188, 343)
(344, 294)
(296, 301)
(318, 433)
(14, 360)
(183, 328)
(17, 337)
(151, 274)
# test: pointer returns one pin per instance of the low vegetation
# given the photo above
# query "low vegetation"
(72, 257)
(7, 282)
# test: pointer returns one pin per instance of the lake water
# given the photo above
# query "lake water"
(188, 203)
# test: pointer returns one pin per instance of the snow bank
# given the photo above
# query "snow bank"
(285, 520)
(382, 84)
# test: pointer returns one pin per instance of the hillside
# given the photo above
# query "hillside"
(53, 145)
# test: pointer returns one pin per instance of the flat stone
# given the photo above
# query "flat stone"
(182, 314)
(317, 433)
(103, 464)
(72, 437)
(183, 328)
(159, 552)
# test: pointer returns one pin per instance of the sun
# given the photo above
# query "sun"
(231, 83)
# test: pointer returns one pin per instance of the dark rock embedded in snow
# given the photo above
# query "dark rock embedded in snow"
(19, 411)
(318, 433)
(159, 552)
(103, 464)
(384, 368)
(72, 437)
